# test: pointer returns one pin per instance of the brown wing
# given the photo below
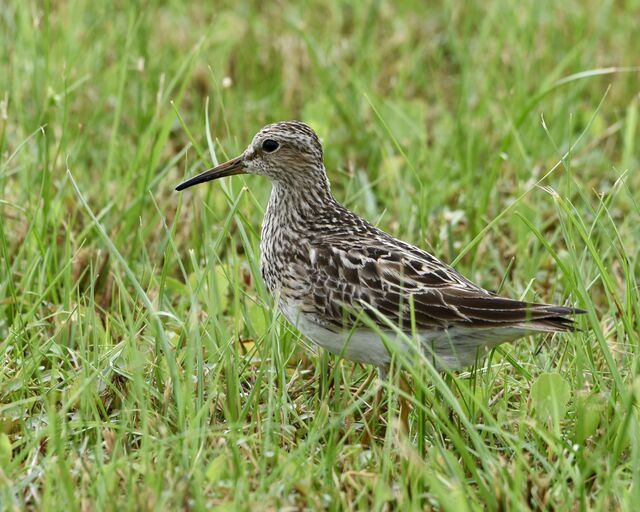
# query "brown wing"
(394, 283)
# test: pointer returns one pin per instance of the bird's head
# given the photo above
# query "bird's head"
(288, 153)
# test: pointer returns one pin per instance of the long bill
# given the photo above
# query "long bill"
(235, 166)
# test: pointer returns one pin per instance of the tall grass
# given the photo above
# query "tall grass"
(143, 365)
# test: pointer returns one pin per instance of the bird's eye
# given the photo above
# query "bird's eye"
(270, 145)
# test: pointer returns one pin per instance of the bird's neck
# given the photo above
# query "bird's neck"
(290, 216)
(291, 202)
(291, 212)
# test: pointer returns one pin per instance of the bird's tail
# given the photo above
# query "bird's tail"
(553, 319)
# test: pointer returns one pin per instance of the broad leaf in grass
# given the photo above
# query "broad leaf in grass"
(550, 394)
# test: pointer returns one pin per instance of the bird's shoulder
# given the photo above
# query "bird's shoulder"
(356, 252)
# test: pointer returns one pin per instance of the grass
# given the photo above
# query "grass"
(142, 363)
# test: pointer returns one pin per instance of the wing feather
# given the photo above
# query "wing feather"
(399, 283)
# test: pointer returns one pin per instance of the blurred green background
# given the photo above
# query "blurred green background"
(142, 364)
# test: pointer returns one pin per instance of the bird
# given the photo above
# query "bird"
(354, 289)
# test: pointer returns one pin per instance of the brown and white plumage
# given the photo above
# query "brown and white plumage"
(334, 275)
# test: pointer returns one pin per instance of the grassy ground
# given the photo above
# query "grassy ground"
(142, 364)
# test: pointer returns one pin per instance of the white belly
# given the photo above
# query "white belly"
(452, 349)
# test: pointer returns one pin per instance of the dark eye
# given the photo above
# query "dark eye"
(270, 145)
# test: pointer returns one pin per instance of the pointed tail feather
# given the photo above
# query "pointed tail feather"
(557, 320)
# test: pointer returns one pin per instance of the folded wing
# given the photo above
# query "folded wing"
(405, 285)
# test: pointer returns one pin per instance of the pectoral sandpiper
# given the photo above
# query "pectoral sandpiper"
(343, 282)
